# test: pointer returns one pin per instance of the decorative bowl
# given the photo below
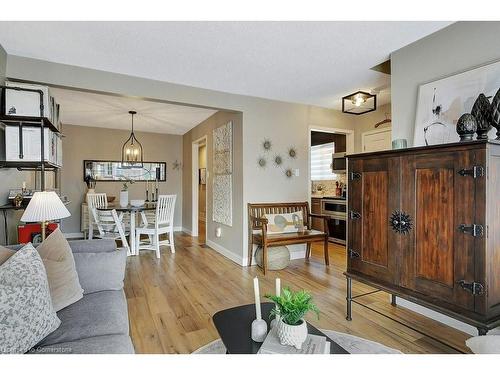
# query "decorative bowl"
(137, 202)
(111, 199)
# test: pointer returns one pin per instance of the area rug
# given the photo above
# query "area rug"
(353, 344)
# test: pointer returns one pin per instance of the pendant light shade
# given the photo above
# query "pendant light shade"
(132, 153)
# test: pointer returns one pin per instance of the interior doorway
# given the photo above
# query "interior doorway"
(199, 184)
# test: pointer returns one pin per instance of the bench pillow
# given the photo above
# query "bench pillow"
(285, 223)
(26, 311)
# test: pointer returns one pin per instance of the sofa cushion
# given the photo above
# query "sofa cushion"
(92, 246)
(108, 344)
(26, 311)
(96, 314)
(101, 271)
(58, 259)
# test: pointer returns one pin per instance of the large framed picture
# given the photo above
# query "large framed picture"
(441, 103)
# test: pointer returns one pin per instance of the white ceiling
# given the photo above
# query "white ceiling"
(106, 111)
(305, 62)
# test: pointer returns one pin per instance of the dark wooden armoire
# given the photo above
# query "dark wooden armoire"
(424, 224)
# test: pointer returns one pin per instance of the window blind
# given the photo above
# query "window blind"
(321, 160)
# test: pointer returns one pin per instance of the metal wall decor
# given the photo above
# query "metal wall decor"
(267, 145)
(401, 222)
(262, 162)
(176, 165)
(495, 113)
(481, 110)
(292, 152)
(288, 173)
(278, 160)
(466, 127)
(359, 102)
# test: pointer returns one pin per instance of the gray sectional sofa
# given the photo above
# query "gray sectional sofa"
(98, 323)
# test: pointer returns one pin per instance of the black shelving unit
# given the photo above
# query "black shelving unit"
(41, 122)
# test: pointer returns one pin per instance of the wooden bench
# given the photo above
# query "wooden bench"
(257, 221)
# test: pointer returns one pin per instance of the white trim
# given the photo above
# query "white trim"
(188, 231)
(195, 146)
(73, 235)
(370, 132)
(241, 261)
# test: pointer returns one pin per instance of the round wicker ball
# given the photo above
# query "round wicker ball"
(278, 257)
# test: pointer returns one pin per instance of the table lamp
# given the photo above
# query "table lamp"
(43, 207)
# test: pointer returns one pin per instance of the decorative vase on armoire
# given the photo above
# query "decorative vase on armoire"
(124, 198)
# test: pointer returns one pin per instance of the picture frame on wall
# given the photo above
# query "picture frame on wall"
(440, 103)
(203, 176)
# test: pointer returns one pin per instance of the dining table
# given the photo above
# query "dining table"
(132, 211)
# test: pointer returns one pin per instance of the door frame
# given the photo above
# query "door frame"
(371, 132)
(349, 133)
(195, 166)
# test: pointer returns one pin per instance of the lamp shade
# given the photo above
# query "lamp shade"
(45, 206)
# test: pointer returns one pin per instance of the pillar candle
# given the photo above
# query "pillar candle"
(257, 298)
(278, 287)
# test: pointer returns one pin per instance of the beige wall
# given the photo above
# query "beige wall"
(90, 143)
(231, 238)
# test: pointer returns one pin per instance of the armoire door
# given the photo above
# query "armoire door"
(373, 194)
(438, 199)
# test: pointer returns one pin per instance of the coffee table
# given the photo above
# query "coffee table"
(234, 327)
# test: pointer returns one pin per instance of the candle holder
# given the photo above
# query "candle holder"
(147, 195)
(259, 330)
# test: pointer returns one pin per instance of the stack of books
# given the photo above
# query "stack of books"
(314, 344)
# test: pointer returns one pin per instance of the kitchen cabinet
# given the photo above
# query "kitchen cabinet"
(424, 224)
(316, 223)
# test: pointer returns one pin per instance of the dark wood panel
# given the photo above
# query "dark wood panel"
(319, 138)
(375, 217)
(434, 226)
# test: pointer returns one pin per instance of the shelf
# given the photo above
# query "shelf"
(30, 121)
(28, 165)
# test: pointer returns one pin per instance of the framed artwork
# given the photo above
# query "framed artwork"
(203, 176)
(223, 174)
(441, 103)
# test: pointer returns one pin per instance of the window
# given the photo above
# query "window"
(321, 160)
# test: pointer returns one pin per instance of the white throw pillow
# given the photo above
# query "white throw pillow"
(26, 311)
(57, 257)
(484, 344)
(285, 223)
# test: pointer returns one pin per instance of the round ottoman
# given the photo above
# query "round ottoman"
(278, 257)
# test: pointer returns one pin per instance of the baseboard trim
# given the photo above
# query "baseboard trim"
(225, 252)
(188, 231)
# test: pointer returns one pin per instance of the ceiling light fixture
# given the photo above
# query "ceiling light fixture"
(359, 102)
(132, 153)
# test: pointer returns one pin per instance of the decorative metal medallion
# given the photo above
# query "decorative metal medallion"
(267, 145)
(278, 160)
(262, 162)
(401, 222)
(292, 152)
(288, 173)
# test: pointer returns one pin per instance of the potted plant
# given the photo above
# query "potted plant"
(124, 192)
(289, 312)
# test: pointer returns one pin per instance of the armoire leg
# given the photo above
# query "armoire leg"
(482, 331)
(393, 300)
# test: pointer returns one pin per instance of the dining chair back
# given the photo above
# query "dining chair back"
(109, 226)
(95, 200)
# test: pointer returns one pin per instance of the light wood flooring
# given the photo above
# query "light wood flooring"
(171, 300)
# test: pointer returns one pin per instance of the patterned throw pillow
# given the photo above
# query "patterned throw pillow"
(285, 223)
(26, 311)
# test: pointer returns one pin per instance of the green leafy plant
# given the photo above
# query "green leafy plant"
(126, 183)
(292, 306)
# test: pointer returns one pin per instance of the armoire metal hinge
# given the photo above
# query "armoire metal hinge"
(474, 288)
(354, 215)
(353, 254)
(475, 230)
(475, 172)
(355, 176)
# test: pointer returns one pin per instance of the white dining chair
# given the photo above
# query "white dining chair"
(109, 226)
(95, 200)
(163, 224)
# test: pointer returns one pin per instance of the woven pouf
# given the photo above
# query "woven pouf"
(278, 257)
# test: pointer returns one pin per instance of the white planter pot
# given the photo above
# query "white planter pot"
(124, 198)
(292, 335)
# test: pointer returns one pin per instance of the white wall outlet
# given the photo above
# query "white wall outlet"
(218, 232)
(296, 172)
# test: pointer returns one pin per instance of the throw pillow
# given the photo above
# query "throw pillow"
(5, 254)
(63, 279)
(484, 344)
(285, 223)
(26, 311)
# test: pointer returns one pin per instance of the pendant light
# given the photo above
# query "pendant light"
(132, 154)
(359, 102)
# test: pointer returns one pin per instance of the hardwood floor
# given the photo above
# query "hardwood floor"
(171, 300)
